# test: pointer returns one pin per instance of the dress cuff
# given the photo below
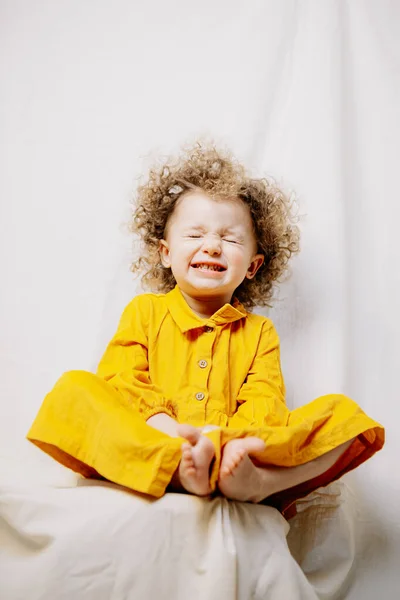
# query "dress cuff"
(167, 409)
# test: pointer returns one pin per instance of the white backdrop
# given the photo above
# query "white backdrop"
(307, 91)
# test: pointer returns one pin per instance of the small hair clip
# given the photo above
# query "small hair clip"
(176, 189)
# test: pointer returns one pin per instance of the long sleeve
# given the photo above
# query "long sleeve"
(125, 366)
(261, 399)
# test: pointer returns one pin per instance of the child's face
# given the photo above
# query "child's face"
(210, 246)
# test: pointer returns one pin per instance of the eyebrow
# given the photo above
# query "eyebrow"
(231, 230)
(195, 228)
(203, 228)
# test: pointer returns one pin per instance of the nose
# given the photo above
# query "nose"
(212, 245)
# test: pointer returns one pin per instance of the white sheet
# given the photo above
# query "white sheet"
(97, 541)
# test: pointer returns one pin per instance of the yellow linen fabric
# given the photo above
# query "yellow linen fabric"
(224, 371)
(164, 358)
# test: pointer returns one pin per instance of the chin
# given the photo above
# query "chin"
(191, 287)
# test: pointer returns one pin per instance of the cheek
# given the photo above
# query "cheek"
(239, 259)
(188, 248)
(182, 253)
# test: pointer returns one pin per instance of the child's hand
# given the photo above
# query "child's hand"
(163, 423)
(208, 428)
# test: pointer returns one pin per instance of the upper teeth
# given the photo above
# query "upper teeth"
(212, 267)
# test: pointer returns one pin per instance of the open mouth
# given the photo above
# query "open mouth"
(207, 267)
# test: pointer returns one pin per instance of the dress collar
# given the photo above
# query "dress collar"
(186, 319)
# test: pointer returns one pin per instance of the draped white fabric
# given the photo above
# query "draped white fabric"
(306, 91)
(97, 541)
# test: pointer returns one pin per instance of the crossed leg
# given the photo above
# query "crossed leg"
(241, 479)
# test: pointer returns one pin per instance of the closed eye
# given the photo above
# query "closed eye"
(231, 241)
(194, 236)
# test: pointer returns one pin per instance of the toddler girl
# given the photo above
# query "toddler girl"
(189, 394)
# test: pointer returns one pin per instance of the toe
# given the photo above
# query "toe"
(225, 471)
(187, 457)
(238, 457)
(186, 450)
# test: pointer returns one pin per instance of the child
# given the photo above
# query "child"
(189, 394)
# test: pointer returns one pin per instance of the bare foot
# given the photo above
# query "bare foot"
(197, 454)
(239, 478)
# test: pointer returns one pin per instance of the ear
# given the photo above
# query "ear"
(164, 254)
(255, 264)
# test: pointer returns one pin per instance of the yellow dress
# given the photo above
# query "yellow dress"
(224, 371)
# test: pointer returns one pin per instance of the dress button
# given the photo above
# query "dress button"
(207, 329)
(199, 396)
(203, 364)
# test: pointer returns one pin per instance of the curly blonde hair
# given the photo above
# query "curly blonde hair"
(220, 176)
